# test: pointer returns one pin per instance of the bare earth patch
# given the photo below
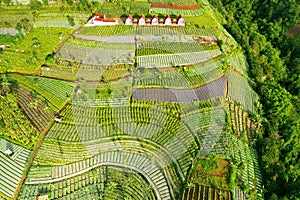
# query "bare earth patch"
(294, 31)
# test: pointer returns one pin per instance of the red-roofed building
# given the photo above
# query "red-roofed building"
(100, 20)
(128, 20)
(142, 20)
(168, 20)
(180, 21)
(154, 20)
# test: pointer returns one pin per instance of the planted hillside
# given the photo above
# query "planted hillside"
(104, 110)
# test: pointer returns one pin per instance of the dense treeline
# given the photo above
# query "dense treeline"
(260, 27)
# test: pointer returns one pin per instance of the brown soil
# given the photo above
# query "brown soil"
(178, 7)
(223, 165)
(294, 31)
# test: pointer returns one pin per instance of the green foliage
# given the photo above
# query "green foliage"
(23, 24)
(7, 2)
(232, 176)
(273, 62)
(24, 53)
(71, 20)
(8, 39)
(45, 2)
(16, 125)
(35, 5)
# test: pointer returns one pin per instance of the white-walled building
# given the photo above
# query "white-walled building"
(128, 20)
(142, 20)
(180, 21)
(154, 20)
(168, 20)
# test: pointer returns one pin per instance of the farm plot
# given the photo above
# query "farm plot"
(107, 30)
(8, 21)
(134, 186)
(184, 77)
(169, 60)
(162, 78)
(61, 89)
(155, 30)
(14, 124)
(152, 48)
(135, 161)
(106, 44)
(197, 76)
(239, 63)
(67, 187)
(208, 126)
(89, 92)
(179, 2)
(170, 139)
(212, 32)
(243, 156)
(100, 181)
(66, 73)
(96, 56)
(61, 20)
(239, 91)
(210, 90)
(115, 39)
(82, 124)
(165, 38)
(53, 92)
(205, 192)
(242, 125)
(32, 50)
(36, 110)
(114, 8)
(11, 167)
(168, 11)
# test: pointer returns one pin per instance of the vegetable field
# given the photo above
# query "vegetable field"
(11, 167)
(126, 112)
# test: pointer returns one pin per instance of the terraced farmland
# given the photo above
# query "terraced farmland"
(132, 112)
(11, 167)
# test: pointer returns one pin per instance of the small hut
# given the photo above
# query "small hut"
(129, 21)
(168, 20)
(180, 21)
(8, 152)
(142, 21)
(154, 20)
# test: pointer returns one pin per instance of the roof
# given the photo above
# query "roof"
(155, 16)
(8, 152)
(99, 15)
(180, 16)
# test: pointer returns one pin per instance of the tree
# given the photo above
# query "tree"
(35, 5)
(45, 2)
(36, 42)
(70, 20)
(23, 24)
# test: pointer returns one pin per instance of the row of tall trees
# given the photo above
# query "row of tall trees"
(260, 27)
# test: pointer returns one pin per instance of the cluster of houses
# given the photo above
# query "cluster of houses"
(100, 20)
(167, 21)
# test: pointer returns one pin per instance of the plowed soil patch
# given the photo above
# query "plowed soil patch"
(178, 7)
(294, 31)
